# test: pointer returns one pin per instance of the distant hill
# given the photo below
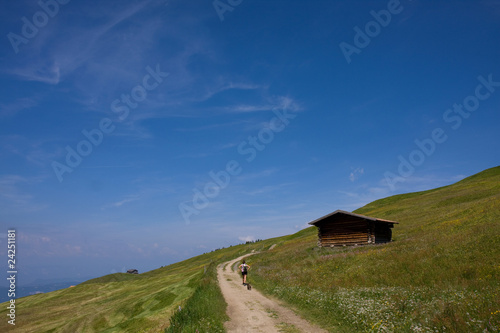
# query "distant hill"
(441, 273)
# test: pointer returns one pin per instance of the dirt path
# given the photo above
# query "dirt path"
(250, 311)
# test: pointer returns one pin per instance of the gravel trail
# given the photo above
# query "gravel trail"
(250, 311)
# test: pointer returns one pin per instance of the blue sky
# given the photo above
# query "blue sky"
(116, 116)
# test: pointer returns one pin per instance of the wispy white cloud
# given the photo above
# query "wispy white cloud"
(248, 108)
(13, 194)
(216, 126)
(287, 103)
(246, 238)
(49, 73)
(356, 173)
(267, 189)
(34, 151)
(256, 175)
(122, 202)
(20, 104)
(221, 85)
(57, 51)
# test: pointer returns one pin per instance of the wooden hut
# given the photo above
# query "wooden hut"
(342, 228)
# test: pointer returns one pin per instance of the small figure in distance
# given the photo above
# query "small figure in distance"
(244, 271)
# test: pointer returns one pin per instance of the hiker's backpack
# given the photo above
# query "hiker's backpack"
(244, 268)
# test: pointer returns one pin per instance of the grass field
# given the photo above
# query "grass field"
(205, 311)
(441, 274)
(132, 303)
(114, 303)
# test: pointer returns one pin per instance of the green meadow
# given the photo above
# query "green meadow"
(441, 273)
(113, 303)
(120, 302)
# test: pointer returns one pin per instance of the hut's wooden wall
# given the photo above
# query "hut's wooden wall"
(346, 231)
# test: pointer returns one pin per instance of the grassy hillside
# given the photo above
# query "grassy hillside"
(441, 274)
(108, 304)
(121, 302)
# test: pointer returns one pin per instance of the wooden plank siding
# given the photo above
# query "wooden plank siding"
(347, 229)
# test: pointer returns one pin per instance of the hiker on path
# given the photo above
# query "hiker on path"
(244, 271)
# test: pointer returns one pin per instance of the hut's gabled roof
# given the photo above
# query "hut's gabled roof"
(343, 212)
